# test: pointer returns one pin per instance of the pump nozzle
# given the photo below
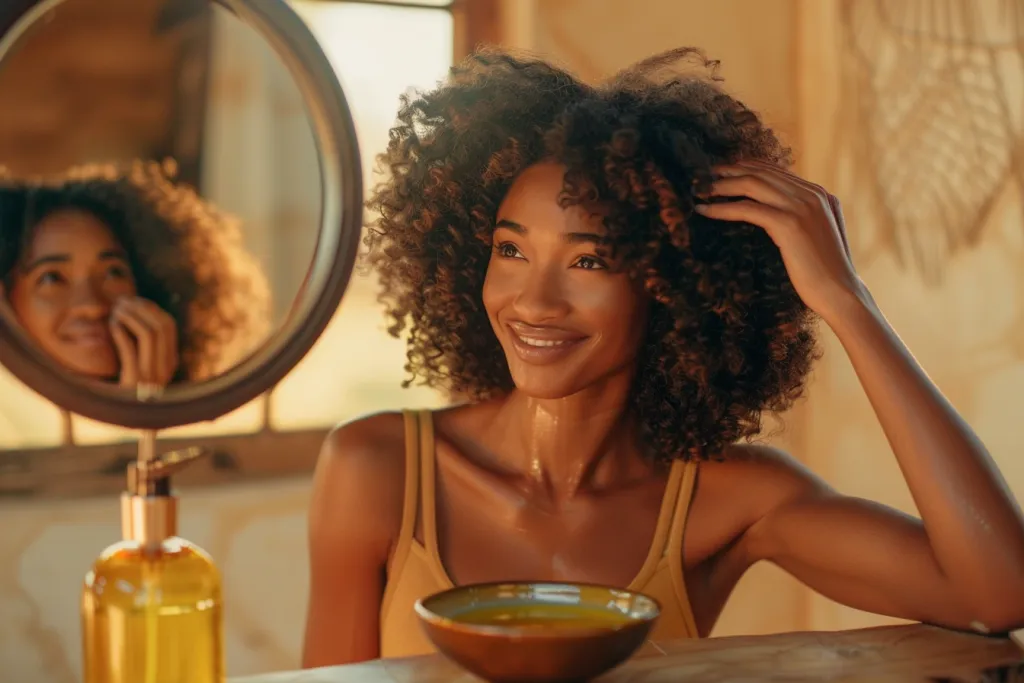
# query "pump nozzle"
(152, 477)
(148, 510)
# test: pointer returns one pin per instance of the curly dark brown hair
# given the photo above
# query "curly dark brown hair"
(186, 256)
(728, 338)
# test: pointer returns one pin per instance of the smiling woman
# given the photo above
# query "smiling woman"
(623, 280)
(73, 280)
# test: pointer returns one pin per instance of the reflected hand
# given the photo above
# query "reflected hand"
(146, 338)
(803, 220)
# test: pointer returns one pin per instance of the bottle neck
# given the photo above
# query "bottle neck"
(148, 520)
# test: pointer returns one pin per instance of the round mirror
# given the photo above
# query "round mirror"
(180, 203)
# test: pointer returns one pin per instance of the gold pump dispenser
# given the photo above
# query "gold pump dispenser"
(151, 604)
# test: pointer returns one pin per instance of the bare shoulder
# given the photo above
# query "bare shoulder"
(358, 488)
(768, 471)
(751, 482)
(368, 451)
(376, 439)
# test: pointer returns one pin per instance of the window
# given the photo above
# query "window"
(363, 362)
(355, 368)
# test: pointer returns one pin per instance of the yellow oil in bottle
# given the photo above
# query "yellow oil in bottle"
(152, 614)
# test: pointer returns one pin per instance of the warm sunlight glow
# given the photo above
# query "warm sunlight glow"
(356, 367)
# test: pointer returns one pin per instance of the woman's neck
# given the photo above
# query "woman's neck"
(566, 445)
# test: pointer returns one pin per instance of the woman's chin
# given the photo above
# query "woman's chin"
(97, 372)
(545, 389)
(547, 383)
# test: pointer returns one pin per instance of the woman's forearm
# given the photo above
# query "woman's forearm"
(974, 525)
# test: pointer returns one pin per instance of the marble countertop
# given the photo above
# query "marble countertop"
(908, 654)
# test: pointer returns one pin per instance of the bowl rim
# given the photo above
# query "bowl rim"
(435, 619)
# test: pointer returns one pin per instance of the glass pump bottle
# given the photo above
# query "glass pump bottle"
(151, 604)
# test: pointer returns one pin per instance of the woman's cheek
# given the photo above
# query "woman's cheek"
(499, 286)
(604, 296)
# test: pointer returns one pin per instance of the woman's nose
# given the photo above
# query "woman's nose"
(88, 300)
(541, 297)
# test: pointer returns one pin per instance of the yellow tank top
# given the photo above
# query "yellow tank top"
(416, 570)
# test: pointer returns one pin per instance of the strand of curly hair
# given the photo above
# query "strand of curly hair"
(728, 339)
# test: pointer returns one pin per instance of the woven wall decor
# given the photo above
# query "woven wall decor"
(933, 110)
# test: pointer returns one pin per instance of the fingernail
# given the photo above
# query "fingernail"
(700, 208)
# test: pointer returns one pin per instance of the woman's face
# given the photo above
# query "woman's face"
(65, 286)
(565, 319)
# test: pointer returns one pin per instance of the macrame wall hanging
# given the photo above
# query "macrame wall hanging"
(932, 106)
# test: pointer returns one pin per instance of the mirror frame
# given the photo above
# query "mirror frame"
(320, 294)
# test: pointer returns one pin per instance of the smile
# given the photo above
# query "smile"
(542, 342)
(90, 337)
(540, 347)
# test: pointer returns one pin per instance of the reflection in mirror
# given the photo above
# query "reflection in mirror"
(162, 197)
(124, 276)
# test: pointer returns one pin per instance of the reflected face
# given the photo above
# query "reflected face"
(565, 318)
(65, 286)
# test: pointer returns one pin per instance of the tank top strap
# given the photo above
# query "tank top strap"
(428, 498)
(687, 484)
(410, 504)
(428, 472)
(659, 544)
(675, 542)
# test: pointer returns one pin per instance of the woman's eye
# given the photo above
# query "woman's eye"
(589, 263)
(508, 250)
(118, 272)
(49, 277)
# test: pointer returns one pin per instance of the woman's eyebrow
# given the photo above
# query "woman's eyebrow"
(571, 237)
(45, 260)
(113, 255)
(578, 237)
(511, 225)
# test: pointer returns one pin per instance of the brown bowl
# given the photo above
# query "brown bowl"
(544, 632)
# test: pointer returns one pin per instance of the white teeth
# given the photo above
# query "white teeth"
(542, 342)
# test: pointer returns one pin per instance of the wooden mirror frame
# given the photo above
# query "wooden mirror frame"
(321, 292)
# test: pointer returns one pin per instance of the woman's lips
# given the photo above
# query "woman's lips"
(88, 337)
(540, 346)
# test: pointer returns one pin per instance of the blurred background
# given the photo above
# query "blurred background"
(909, 110)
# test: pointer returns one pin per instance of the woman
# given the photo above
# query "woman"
(126, 277)
(622, 280)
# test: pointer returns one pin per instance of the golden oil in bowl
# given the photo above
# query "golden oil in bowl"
(544, 632)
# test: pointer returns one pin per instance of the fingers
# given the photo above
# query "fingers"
(770, 218)
(754, 187)
(127, 319)
(163, 333)
(791, 189)
(152, 335)
(775, 186)
(126, 352)
(829, 199)
(777, 170)
(781, 176)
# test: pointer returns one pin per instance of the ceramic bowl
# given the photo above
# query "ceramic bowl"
(543, 632)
